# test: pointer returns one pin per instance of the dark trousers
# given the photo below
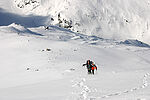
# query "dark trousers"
(92, 71)
(89, 71)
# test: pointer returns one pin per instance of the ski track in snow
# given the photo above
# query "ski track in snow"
(83, 94)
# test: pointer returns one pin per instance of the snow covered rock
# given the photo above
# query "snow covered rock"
(137, 43)
(32, 4)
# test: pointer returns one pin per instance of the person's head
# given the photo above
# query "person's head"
(88, 61)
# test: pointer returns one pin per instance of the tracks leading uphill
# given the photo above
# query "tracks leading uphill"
(83, 91)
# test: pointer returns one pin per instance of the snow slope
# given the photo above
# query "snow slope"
(45, 63)
(117, 19)
(49, 66)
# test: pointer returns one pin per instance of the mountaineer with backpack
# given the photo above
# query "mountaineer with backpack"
(90, 67)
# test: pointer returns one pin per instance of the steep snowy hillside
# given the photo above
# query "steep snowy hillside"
(44, 44)
(117, 19)
(39, 64)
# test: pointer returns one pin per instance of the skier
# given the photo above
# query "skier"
(90, 66)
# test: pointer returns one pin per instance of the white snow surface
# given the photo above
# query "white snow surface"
(117, 19)
(46, 64)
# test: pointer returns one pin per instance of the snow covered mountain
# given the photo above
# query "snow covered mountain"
(117, 19)
(44, 43)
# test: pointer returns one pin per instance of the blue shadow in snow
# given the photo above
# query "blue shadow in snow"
(26, 31)
(7, 18)
(137, 43)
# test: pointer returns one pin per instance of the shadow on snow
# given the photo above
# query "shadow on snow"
(7, 18)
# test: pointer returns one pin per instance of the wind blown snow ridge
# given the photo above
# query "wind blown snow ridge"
(137, 43)
(20, 30)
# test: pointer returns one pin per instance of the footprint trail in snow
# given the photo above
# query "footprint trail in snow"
(83, 91)
(144, 85)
